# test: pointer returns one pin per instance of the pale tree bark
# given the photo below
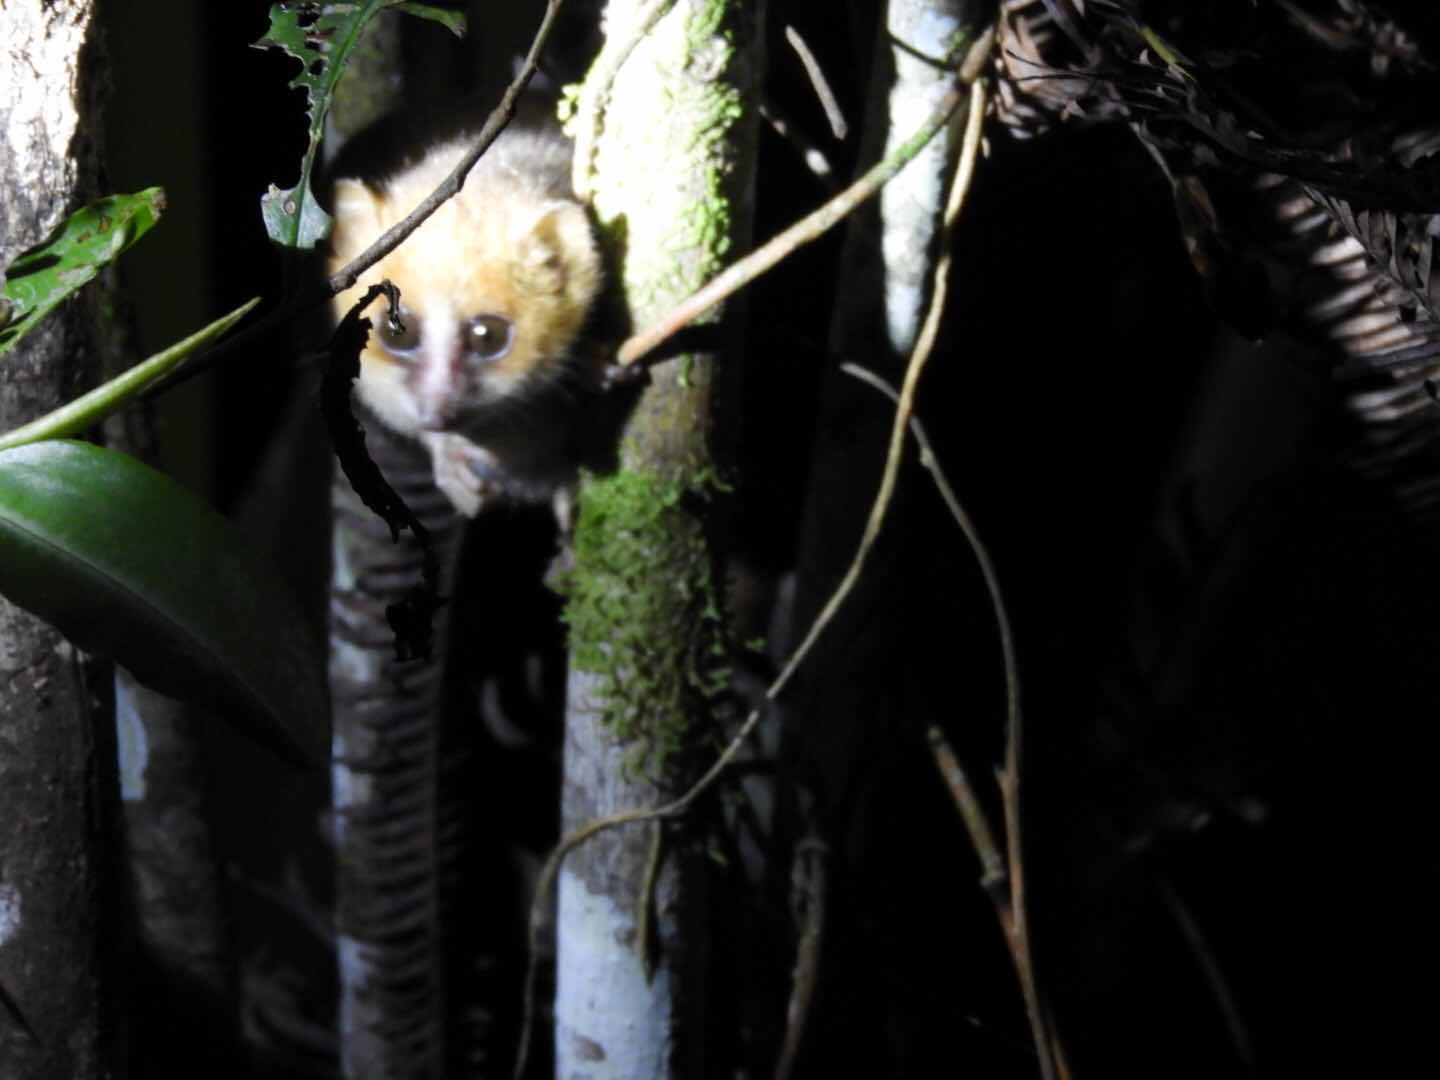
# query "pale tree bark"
(842, 722)
(52, 799)
(887, 264)
(391, 1014)
(671, 177)
(182, 961)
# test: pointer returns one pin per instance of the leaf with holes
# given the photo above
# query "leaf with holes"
(128, 564)
(91, 237)
(321, 36)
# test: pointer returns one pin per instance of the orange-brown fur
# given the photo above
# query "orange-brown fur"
(514, 244)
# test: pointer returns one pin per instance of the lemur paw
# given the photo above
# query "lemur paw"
(468, 475)
(615, 376)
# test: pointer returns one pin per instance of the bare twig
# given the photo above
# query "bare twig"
(495, 123)
(997, 880)
(810, 227)
(1014, 922)
(810, 886)
(1210, 966)
(924, 345)
(977, 823)
(972, 536)
(838, 127)
(646, 946)
(813, 157)
(346, 276)
(994, 875)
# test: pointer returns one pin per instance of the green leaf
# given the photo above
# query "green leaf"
(292, 217)
(454, 21)
(321, 36)
(89, 409)
(72, 256)
(128, 564)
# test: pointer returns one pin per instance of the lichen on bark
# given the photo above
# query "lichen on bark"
(667, 143)
(644, 611)
(671, 193)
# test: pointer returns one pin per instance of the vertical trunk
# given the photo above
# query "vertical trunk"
(671, 181)
(51, 1010)
(387, 712)
(845, 725)
(385, 776)
(889, 256)
(185, 970)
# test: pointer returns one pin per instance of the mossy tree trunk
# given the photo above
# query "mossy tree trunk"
(52, 795)
(671, 178)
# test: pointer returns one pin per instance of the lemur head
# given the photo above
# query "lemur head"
(495, 287)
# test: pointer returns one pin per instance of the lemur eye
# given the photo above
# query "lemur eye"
(488, 337)
(400, 335)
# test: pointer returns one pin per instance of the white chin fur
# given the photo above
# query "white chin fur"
(383, 394)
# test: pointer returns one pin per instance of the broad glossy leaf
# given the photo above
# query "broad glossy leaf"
(128, 564)
(91, 237)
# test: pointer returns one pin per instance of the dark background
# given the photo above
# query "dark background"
(1225, 634)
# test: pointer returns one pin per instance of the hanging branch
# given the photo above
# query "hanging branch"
(812, 226)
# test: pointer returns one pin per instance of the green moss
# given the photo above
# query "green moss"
(957, 44)
(568, 106)
(707, 225)
(708, 228)
(705, 24)
(643, 609)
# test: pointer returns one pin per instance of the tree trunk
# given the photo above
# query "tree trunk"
(52, 1017)
(846, 728)
(671, 183)
(385, 775)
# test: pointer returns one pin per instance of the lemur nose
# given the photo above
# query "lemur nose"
(433, 411)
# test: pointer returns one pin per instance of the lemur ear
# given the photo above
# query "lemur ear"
(357, 216)
(556, 253)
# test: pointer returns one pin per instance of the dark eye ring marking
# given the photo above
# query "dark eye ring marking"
(489, 337)
(400, 335)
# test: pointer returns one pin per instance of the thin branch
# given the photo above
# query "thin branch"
(813, 157)
(646, 946)
(811, 863)
(993, 877)
(838, 127)
(495, 123)
(924, 345)
(1046, 1045)
(810, 227)
(986, 565)
(347, 275)
(1214, 974)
